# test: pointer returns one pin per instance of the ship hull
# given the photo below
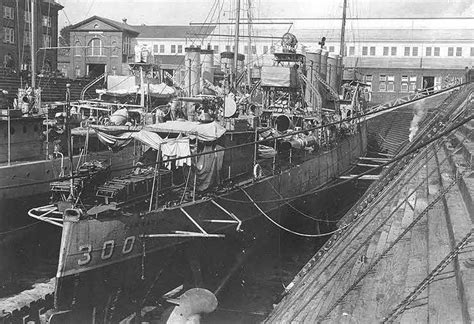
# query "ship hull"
(26, 181)
(93, 251)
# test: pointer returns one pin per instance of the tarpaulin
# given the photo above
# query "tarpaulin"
(118, 142)
(175, 148)
(208, 167)
(204, 131)
(279, 76)
(123, 86)
(115, 142)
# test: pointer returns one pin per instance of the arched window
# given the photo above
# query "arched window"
(94, 48)
(114, 48)
(77, 48)
(47, 66)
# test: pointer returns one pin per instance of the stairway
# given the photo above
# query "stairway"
(53, 89)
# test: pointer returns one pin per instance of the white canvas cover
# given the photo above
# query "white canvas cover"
(204, 131)
(119, 141)
(278, 76)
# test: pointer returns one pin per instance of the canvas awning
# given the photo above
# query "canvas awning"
(204, 131)
(118, 141)
(155, 90)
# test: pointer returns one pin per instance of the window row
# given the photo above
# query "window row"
(9, 13)
(179, 49)
(173, 49)
(386, 83)
(407, 51)
(9, 37)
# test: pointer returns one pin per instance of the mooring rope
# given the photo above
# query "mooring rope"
(287, 229)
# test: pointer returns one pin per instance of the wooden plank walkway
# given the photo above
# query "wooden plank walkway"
(398, 259)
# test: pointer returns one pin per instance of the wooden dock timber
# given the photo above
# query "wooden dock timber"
(407, 252)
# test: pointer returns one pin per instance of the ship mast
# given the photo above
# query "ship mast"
(343, 30)
(236, 45)
(249, 51)
(33, 45)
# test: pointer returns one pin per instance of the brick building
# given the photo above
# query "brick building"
(103, 45)
(15, 49)
(100, 45)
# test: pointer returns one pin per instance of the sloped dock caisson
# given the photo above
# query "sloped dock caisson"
(405, 251)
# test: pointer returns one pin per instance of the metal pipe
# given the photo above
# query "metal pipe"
(9, 136)
(69, 139)
(142, 89)
(190, 99)
(343, 30)
(195, 173)
(249, 50)
(154, 183)
(33, 45)
(236, 43)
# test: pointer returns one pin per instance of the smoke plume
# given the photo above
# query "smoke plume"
(419, 111)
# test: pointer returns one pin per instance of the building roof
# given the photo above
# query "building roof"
(168, 31)
(53, 3)
(119, 25)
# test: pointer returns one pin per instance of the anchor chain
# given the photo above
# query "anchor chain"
(397, 311)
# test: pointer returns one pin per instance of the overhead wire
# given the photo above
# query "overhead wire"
(321, 188)
(253, 143)
(369, 171)
(20, 228)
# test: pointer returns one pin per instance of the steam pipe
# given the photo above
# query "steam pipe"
(190, 99)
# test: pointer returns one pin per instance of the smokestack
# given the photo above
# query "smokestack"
(193, 70)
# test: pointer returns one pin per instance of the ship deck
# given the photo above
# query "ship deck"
(406, 251)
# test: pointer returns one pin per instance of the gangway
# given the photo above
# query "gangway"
(411, 98)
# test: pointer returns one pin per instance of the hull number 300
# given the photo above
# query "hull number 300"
(107, 250)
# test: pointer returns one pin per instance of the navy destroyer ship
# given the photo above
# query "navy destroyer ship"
(200, 182)
(217, 163)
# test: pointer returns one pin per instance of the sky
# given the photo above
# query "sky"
(176, 12)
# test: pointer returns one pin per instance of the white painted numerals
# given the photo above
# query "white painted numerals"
(107, 249)
(86, 252)
(128, 244)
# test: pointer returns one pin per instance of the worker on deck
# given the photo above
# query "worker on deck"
(4, 104)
